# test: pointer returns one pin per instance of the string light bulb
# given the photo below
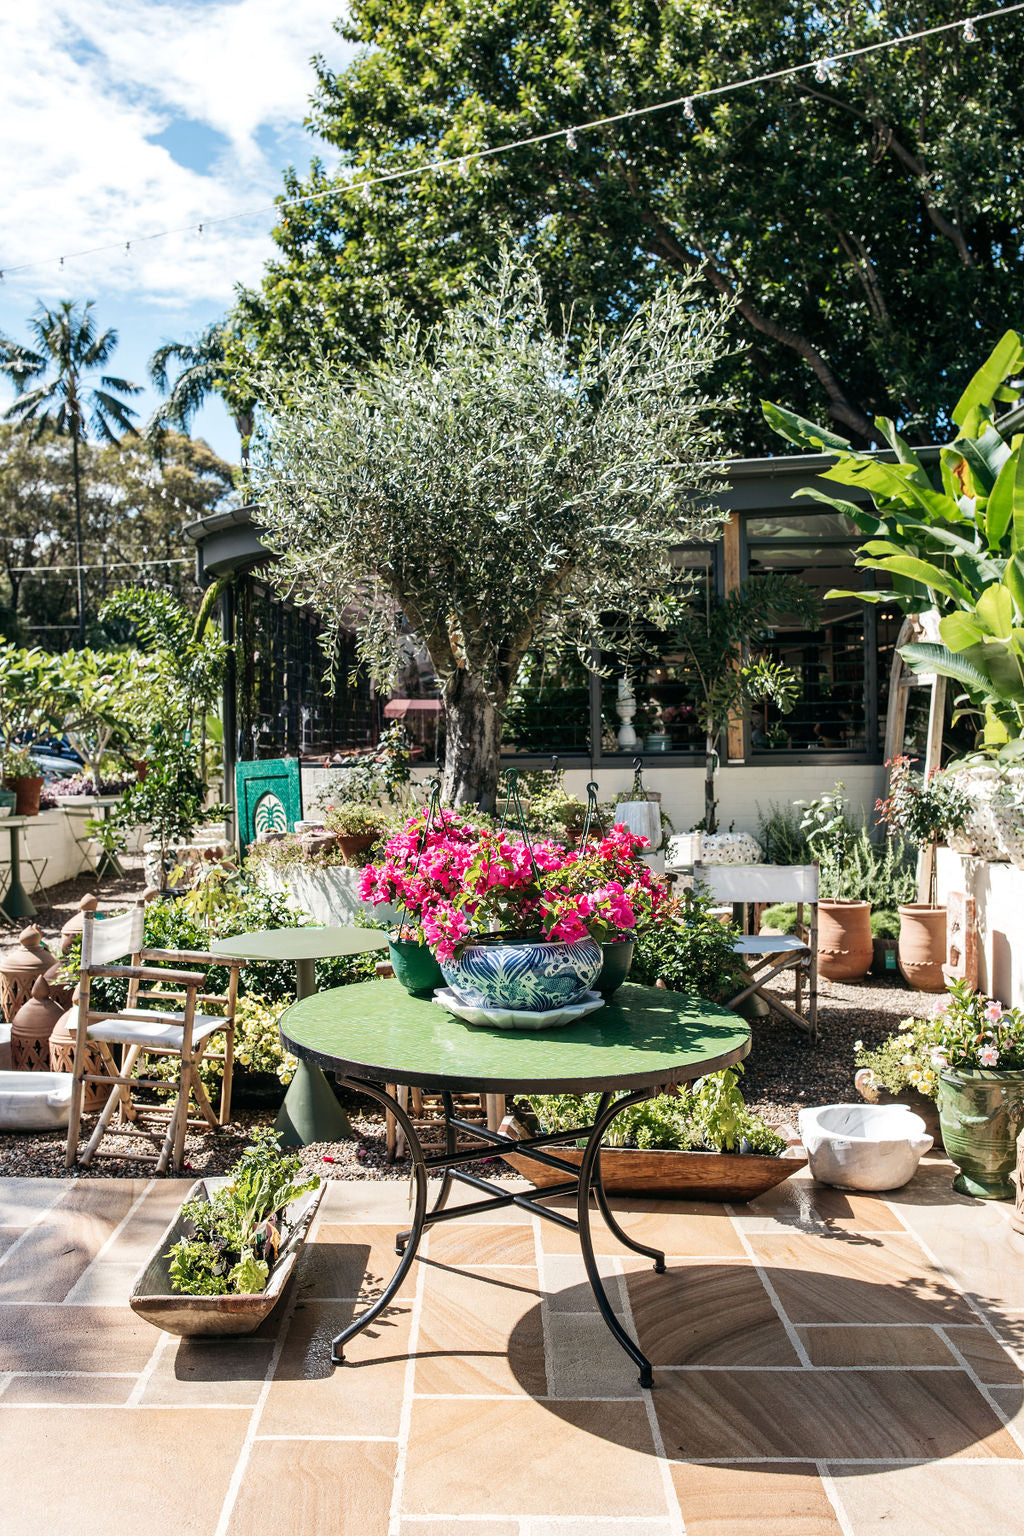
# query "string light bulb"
(688, 108)
(570, 138)
(970, 35)
(464, 166)
(199, 232)
(365, 191)
(825, 71)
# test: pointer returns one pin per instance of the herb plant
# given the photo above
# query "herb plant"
(236, 1234)
(690, 949)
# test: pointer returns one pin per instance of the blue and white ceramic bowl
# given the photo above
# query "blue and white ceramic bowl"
(527, 975)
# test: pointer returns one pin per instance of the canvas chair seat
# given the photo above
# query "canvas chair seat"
(769, 944)
(155, 1030)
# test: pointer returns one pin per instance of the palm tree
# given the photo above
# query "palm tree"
(203, 372)
(67, 350)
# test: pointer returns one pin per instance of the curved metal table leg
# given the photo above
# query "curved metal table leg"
(605, 1115)
(447, 1181)
(419, 1214)
(609, 1217)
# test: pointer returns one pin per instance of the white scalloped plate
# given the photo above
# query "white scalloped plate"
(517, 1018)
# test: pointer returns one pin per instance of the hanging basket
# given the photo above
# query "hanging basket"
(641, 813)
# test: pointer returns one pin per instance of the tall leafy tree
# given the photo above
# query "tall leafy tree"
(202, 371)
(497, 484)
(866, 224)
(62, 390)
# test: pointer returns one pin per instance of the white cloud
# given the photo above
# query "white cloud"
(88, 85)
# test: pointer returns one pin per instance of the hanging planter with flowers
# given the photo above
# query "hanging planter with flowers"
(513, 924)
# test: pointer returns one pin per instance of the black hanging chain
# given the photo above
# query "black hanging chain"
(638, 792)
(512, 801)
(593, 814)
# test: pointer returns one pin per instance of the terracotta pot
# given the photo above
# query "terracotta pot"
(20, 968)
(72, 929)
(845, 949)
(353, 844)
(26, 794)
(31, 1029)
(141, 766)
(922, 948)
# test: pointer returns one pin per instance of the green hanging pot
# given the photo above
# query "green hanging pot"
(415, 967)
(616, 960)
(981, 1113)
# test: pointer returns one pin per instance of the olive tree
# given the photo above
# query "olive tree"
(493, 482)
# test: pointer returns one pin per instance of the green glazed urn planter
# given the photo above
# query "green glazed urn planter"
(415, 967)
(981, 1113)
(616, 960)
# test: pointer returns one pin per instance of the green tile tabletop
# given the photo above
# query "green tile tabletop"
(310, 1112)
(642, 1037)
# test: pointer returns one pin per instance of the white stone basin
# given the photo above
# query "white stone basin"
(863, 1146)
(34, 1101)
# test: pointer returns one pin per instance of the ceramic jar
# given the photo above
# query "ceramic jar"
(616, 960)
(72, 929)
(533, 974)
(981, 1113)
(922, 946)
(845, 948)
(19, 969)
(415, 967)
(62, 1059)
(31, 1028)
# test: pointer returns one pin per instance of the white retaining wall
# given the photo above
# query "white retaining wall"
(998, 890)
(50, 836)
(741, 788)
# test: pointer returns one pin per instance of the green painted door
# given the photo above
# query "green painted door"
(269, 796)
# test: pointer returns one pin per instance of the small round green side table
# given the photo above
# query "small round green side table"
(310, 1111)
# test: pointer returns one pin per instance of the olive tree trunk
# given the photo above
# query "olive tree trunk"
(472, 752)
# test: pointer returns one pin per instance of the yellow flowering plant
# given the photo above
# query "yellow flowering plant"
(904, 1060)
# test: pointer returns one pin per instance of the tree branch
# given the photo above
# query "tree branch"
(841, 408)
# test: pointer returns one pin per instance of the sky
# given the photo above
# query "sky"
(122, 118)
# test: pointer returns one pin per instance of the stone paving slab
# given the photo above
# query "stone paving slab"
(826, 1365)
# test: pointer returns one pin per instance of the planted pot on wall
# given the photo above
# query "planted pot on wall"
(26, 793)
(922, 946)
(845, 945)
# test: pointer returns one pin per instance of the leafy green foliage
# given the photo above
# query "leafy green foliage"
(714, 1118)
(690, 950)
(885, 923)
(781, 835)
(500, 486)
(868, 221)
(236, 1234)
(903, 1060)
(954, 541)
(379, 778)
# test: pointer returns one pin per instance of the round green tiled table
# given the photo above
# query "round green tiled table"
(643, 1039)
(310, 1111)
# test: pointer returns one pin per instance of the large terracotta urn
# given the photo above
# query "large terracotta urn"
(62, 1059)
(922, 947)
(845, 949)
(27, 791)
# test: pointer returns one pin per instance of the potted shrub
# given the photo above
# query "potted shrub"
(901, 1071)
(978, 1051)
(22, 778)
(357, 827)
(706, 1145)
(511, 923)
(844, 925)
(170, 802)
(922, 812)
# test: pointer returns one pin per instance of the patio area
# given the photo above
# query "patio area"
(825, 1363)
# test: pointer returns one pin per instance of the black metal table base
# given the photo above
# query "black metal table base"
(580, 1181)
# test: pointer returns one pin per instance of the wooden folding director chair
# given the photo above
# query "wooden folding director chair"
(146, 1031)
(766, 954)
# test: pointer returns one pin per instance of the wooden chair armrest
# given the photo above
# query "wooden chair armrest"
(147, 973)
(191, 957)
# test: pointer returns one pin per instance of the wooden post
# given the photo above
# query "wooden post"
(735, 745)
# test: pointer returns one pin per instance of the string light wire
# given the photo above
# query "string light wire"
(966, 25)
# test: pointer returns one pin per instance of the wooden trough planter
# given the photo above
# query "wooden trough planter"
(735, 1176)
(188, 1316)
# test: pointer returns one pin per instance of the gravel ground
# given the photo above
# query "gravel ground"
(783, 1071)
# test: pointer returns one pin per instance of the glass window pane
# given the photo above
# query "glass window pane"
(798, 525)
(549, 706)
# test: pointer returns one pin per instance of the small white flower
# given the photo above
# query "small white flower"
(907, 1061)
(858, 1045)
(988, 1056)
